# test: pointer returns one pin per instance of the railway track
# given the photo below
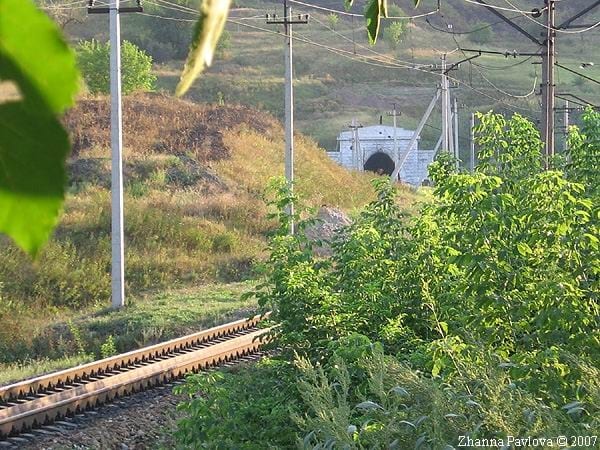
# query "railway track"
(43, 400)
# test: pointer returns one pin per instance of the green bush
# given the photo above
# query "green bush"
(65, 278)
(108, 347)
(168, 40)
(333, 20)
(395, 407)
(247, 408)
(394, 33)
(486, 304)
(510, 247)
(224, 242)
(94, 62)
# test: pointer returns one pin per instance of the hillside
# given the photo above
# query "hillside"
(195, 215)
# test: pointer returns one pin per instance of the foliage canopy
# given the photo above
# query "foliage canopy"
(93, 58)
(480, 316)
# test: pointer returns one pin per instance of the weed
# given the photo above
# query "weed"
(108, 347)
(77, 339)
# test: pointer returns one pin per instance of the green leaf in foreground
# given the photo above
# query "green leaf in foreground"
(213, 15)
(376, 10)
(33, 144)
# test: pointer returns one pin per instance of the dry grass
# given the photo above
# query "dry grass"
(194, 208)
(154, 123)
(256, 158)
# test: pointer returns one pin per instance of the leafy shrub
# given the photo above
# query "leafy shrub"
(78, 341)
(108, 347)
(394, 33)
(510, 247)
(222, 412)
(224, 242)
(333, 20)
(65, 278)
(136, 67)
(397, 407)
(223, 45)
(486, 305)
(168, 40)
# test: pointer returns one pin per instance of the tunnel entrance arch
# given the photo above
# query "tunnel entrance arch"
(380, 163)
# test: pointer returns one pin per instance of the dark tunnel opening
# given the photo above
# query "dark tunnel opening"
(380, 163)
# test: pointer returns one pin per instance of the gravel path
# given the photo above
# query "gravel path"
(142, 421)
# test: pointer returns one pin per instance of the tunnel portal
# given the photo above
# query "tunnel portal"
(380, 163)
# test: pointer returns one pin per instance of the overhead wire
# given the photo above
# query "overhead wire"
(502, 8)
(340, 52)
(510, 66)
(501, 91)
(365, 47)
(470, 31)
(390, 65)
(560, 30)
(345, 13)
(66, 6)
(523, 96)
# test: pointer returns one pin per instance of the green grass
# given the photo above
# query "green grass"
(76, 337)
(30, 368)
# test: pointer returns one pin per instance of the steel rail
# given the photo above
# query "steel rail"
(33, 403)
(73, 375)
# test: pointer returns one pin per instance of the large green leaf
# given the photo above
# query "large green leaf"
(33, 145)
(376, 10)
(213, 15)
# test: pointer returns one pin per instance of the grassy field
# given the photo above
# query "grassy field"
(68, 337)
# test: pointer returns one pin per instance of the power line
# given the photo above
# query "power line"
(67, 6)
(503, 67)
(470, 31)
(506, 54)
(507, 93)
(501, 8)
(345, 13)
(367, 48)
(577, 73)
(364, 59)
(559, 29)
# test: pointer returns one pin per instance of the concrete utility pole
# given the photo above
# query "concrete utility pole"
(116, 145)
(394, 115)
(548, 55)
(357, 158)
(472, 159)
(445, 104)
(287, 22)
(456, 152)
(566, 121)
(415, 136)
(548, 87)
